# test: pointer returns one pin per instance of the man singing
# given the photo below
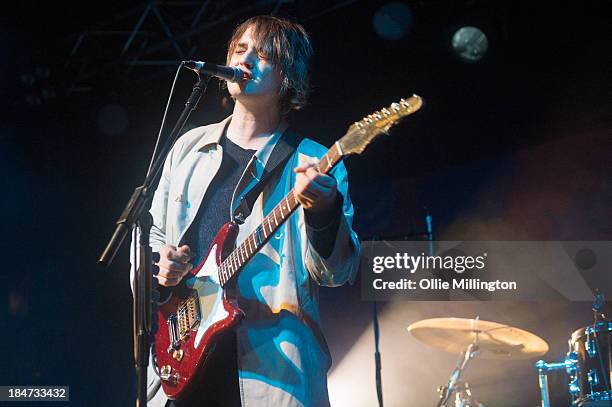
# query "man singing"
(277, 356)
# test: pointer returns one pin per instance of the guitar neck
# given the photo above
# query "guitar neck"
(281, 212)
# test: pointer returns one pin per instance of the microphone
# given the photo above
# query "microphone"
(227, 73)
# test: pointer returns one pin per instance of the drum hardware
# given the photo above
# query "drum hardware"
(570, 365)
(588, 363)
(474, 338)
(463, 395)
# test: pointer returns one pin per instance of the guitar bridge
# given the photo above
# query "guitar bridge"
(187, 319)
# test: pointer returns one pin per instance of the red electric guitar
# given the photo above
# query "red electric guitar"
(200, 309)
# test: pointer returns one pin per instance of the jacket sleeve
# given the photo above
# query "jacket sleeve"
(158, 210)
(343, 262)
(159, 206)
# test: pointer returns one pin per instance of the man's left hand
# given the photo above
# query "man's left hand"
(315, 191)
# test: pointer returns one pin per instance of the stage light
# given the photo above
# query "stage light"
(470, 44)
(392, 21)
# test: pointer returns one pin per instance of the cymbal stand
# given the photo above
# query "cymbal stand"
(447, 391)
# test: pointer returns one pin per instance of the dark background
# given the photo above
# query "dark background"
(514, 147)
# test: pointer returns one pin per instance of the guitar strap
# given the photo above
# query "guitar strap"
(283, 150)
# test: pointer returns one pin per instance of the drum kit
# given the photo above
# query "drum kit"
(588, 362)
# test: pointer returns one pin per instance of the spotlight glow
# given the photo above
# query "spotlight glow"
(392, 21)
(470, 44)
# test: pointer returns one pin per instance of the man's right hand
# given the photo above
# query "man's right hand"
(173, 264)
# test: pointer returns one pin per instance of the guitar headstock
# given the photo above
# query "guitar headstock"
(363, 132)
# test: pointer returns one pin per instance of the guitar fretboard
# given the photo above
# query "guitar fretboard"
(251, 245)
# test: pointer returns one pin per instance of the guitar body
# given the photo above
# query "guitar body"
(198, 313)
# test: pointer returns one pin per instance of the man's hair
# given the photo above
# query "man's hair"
(285, 44)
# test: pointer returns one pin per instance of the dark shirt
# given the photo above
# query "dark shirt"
(214, 211)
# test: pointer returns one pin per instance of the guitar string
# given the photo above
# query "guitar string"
(233, 262)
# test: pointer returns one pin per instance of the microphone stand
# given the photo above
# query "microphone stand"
(375, 327)
(136, 215)
(141, 309)
(378, 365)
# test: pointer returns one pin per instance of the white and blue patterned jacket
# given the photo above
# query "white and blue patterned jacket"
(283, 358)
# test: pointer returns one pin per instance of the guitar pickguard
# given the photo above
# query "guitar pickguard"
(210, 294)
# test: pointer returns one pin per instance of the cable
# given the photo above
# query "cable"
(163, 123)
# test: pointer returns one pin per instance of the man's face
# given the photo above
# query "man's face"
(265, 79)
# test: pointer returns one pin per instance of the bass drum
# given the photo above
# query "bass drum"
(591, 348)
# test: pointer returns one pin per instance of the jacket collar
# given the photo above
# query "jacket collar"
(263, 154)
(216, 131)
(212, 134)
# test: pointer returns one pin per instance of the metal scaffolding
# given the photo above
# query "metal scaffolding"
(163, 33)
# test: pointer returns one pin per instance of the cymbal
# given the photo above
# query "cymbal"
(495, 341)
